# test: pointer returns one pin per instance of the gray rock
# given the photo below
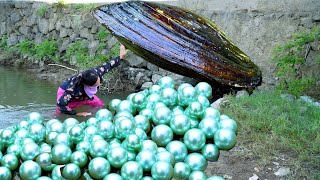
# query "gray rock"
(146, 85)
(31, 20)
(3, 28)
(43, 25)
(111, 42)
(289, 97)
(217, 104)
(242, 93)
(12, 40)
(93, 46)
(283, 171)
(85, 33)
(155, 78)
(306, 99)
(88, 21)
(152, 67)
(74, 36)
(52, 22)
(38, 38)
(65, 32)
(135, 61)
(64, 45)
(25, 30)
(15, 17)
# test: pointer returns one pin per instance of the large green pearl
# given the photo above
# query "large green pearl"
(155, 89)
(152, 99)
(50, 137)
(63, 138)
(29, 151)
(228, 123)
(149, 145)
(7, 137)
(112, 176)
(37, 132)
(92, 121)
(181, 86)
(139, 101)
(56, 173)
(177, 110)
(113, 104)
(44, 147)
(181, 171)
(76, 134)
(187, 95)
(44, 178)
(104, 115)
(5, 173)
(71, 171)
(117, 156)
(209, 126)
(141, 133)
(106, 129)
(211, 112)
(194, 139)
(126, 105)
(146, 178)
(56, 127)
(142, 122)
(80, 158)
(34, 118)
(89, 132)
(99, 167)
(178, 150)
(180, 124)
(210, 152)
(14, 149)
(49, 122)
(61, 154)
(162, 170)
(196, 109)
(23, 125)
(162, 135)
(10, 161)
(203, 101)
(166, 157)
(225, 139)
(20, 135)
(130, 96)
(196, 162)
(44, 160)
(133, 142)
(69, 122)
(131, 155)
(169, 97)
(83, 146)
(162, 115)
(148, 113)
(215, 178)
(204, 89)
(146, 159)
(198, 175)
(131, 170)
(166, 82)
(29, 170)
(125, 127)
(99, 148)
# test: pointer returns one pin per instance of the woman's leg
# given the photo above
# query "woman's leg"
(96, 102)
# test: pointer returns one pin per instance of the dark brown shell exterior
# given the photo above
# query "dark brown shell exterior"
(179, 41)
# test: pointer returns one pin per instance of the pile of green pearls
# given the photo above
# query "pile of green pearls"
(159, 133)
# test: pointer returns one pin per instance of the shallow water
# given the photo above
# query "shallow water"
(20, 95)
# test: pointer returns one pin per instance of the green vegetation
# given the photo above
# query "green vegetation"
(291, 58)
(85, 8)
(41, 10)
(61, 4)
(269, 125)
(102, 34)
(46, 50)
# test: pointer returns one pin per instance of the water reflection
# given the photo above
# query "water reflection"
(20, 95)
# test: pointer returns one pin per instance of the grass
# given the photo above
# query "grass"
(269, 125)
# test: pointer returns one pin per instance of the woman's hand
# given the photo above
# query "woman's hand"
(83, 113)
(123, 52)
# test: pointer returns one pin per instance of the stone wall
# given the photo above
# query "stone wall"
(255, 26)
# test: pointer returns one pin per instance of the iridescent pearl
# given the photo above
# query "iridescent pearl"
(126, 105)
(194, 139)
(83, 146)
(228, 123)
(23, 125)
(80, 158)
(198, 175)
(69, 122)
(63, 138)
(211, 112)
(7, 137)
(37, 132)
(203, 101)
(113, 104)
(131, 170)
(142, 122)
(29, 170)
(34, 118)
(181, 171)
(104, 115)
(112, 176)
(162, 135)
(204, 89)
(178, 150)
(117, 156)
(209, 126)
(166, 82)
(29, 151)
(166, 157)
(71, 171)
(133, 142)
(225, 139)
(210, 152)
(99, 148)
(162, 115)
(139, 101)
(155, 89)
(169, 97)
(60, 154)
(149, 145)
(180, 124)
(44, 160)
(106, 129)
(162, 170)
(152, 99)
(56, 126)
(92, 121)
(141, 133)
(76, 134)
(196, 162)
(99, 167)
(50, 137)
(5, 173)
(148, 113)
(215, 178)
(14, 149)
(10, 161)
(146, 159)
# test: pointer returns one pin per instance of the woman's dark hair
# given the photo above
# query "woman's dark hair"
(89, 77)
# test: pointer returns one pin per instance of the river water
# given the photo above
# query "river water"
(20, 95)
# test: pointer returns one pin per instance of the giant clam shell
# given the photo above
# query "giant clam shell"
(180, 41)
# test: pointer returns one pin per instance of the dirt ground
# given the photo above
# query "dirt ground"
(230, 165)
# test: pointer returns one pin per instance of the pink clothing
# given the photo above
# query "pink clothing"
(96, 102)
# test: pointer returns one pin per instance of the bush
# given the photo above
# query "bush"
(46, 49)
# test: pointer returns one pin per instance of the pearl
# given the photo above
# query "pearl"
(148, 113)
(181, 171)
(92, 121)
(80, 158)
(63, 138)
(166, 157)
(211, 112)
(23, 125)
(76, 134)
(162, 170)
(117, 156)
(225, 139)
(60, 154)
(209, 126)
(99, 167)
(166, 82)
(194, 139)
(5, 173)
(198, 175)
(83, 146)
(139, 101)
(149, 145)
(152, 99)
(34, 118)
(29, 151)
(113, 104)
(228, 123)
(142, 122)
(141, 133)
(203, 101)
(215, 178)
(10, 161)
(196, 162)
(210, 152)
(56, 127)
(44, 160)
(162, 115)
(112, 176)
(178, 150)
(14, 149)
(99, 148)
(180, 124)
(162, 135)
(104, 115)
(131, 170)
(155, 89)
(204, 89)
(50, 137)
(133, 142)
(71, 171)
(126, 105)
(29, 170)
(106, 129)
(7, 137)
(169, 96)
(70, 122)
(146, 159)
